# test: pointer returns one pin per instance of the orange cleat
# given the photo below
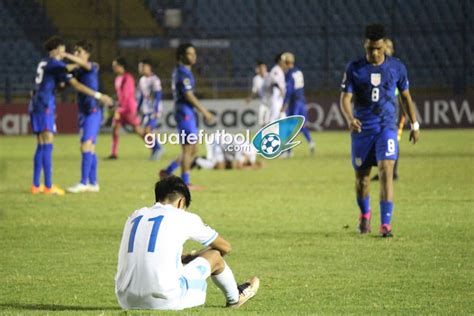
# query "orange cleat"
(54, 190)
(37, 190)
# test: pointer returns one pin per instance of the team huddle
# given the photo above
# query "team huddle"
(153, 272)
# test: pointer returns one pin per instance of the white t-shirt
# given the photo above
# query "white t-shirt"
(274, 84)
(147, 86)
(149, 260)
(257, 86)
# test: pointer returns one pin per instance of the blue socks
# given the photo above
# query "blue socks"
(364, 205)
(185, 177)
(386, 208)
(172, 167)
(37, 165)
(306, 134)
(48, 164)
(93, 170)
(86, 166)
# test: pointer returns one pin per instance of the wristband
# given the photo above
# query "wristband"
(415, 126)
(97, 95)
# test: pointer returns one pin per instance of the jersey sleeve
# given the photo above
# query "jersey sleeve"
(200, 232)
(347, 84)
(185, 82)
(60, 72)
(255, 85)
(402, 82)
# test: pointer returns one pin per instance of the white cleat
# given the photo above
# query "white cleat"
(93, 188)
(312, 148)
(247, 290)
(78, 188)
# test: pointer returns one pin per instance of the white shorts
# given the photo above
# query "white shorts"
(263, 115)
(275, 106)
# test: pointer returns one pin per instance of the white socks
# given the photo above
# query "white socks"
(205, 163)
(226, 282)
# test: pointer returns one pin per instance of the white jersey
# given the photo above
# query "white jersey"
(149, 261)
(147, 86)
(275, 89)
(257, 86)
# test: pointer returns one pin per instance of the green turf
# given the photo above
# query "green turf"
(293, 224)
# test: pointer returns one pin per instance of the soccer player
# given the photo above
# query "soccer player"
(371, 82)
(90, 115)
(149, 103)
(51, 72)
(186, 104)
(275, 88)
(126, 114)
(390, 51)
(150, 272)
(295, 101)
(261, 73)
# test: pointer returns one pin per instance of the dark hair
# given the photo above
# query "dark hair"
(85, 45)
(121, 61)
(181, 50)
(278, 57)
(375, 32)
(259, 62)
(147, 61)
(52, 43)
(172, 188)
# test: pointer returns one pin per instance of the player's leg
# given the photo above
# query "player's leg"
(157, 150)
(37, 166)
(116, 125)
(302, 110)
(93, 184)
(47, 137)
(189, 151)
(387, 152)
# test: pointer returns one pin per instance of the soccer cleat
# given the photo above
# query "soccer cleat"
(247, 290)
(54, 190)
(364, 224)
(163, 174)
(78, 188)
(112, 157)
(93, 188)
(312, 148)
(386, 231)
(37, 190)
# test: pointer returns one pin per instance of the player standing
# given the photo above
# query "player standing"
(275, 88)
(372, 81)
(186, 104)
(261, 73)
(149, 103)
(150, 272)
(295, 101)
(51, 72)
(90, 115)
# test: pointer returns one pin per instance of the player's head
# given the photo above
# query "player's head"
(55, 46)
(260, 68)
(186, 54)
(279, 61)
(145, 67)
(389, 47)
(173, 190)
(83, 49)
(375, 43)
(119, 65)
(289, 60)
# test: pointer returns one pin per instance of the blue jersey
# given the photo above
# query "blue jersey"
(49, 74)
(182, 81)
(294, 88)
(89, 78)
(373, 89)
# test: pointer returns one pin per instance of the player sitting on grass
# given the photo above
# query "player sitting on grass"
(51, 72)
(150, 271)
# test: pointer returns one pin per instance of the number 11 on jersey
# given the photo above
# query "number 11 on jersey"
(154, 232)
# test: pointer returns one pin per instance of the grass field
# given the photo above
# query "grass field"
(292, 223)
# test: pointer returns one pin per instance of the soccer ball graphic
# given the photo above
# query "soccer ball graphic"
(270, 143)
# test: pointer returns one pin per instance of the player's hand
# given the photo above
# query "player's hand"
(355, 125)
(209, 117)
(116, 115)
(106, 100)
(414, 136)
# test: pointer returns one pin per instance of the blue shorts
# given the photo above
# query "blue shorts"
(150, 122)
(186, 120)
(370, 148)
(90, 126)
(43, 121)
(297, 109)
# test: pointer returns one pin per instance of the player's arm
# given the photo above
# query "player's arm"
(346, 107)
(103, 98)
(219, 244)
(78, 61)
(407, 102)
(193, 100)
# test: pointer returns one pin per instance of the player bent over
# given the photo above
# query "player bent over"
(50, 73)
(373, 80)
(150, 271)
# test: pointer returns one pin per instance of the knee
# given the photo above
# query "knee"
(217, 261)
(86, 146)
(362, 182)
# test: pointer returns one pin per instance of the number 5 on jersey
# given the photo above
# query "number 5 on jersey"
(154, 232)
